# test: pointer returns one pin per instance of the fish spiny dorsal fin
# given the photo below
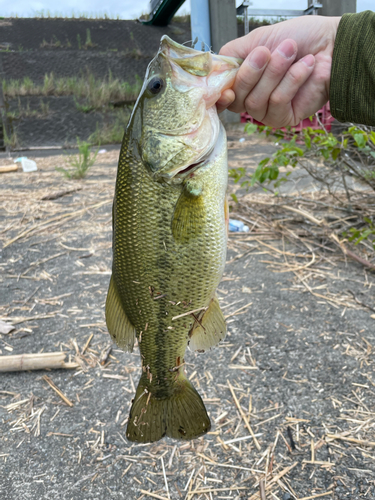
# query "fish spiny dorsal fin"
(189, 213)
(118, 324)
(209, 328)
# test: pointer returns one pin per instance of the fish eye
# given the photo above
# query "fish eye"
(155, 85)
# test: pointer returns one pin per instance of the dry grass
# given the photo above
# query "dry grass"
(257, 449)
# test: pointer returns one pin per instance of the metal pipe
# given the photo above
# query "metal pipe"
(200, 24)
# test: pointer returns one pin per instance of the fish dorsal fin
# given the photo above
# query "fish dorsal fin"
(209, 329)
(187, 222)
(118, 324)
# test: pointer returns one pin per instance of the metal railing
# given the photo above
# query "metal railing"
(243, 10)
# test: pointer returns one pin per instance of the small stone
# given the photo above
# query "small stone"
(287, 496)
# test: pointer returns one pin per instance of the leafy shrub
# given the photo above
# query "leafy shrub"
(330, 159)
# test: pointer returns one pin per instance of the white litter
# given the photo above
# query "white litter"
(27, 165)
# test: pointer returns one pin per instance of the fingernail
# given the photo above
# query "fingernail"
(309, 60)
(286, 49)
(258, 59)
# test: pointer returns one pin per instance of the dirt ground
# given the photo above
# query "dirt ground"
(290, 392)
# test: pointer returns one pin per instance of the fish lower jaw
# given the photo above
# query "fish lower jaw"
(179, 174)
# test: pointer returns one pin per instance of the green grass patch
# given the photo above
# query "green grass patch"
(95, 93)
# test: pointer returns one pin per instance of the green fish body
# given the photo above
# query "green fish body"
(169, 236)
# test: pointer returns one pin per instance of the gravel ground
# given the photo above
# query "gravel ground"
(290, 392)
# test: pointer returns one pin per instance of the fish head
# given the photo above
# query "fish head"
(178, 125)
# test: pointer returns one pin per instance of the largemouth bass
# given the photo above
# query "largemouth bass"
(169, 236)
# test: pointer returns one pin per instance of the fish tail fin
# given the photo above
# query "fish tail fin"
(182, 415)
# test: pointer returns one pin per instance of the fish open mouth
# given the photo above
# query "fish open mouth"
(190, 169)
(205, 76)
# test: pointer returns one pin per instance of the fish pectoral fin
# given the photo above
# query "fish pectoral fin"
(209, 329)
(118, 324)
(189, 213)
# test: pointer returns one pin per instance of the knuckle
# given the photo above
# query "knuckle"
(277, 99)
(295, 78)
(242, 81)
(253, 104)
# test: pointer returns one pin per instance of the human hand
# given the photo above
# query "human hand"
(286, 71)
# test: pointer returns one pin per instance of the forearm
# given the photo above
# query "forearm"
(352, 85)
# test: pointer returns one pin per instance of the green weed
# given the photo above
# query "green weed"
(11, 141)
(97, 93)
(111, 133)
(327, 158)
(84, 108)
(88, 43)
(79, 165)
(44, 107)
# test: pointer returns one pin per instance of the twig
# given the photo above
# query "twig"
(361, 303)
(243, 416)
(87, 343)
(165, 477)
(189, 312)
(351, 440)
(262, 490)
(59, 194)
(317, 496)
(238, 310)
(57, 390)
(153, 495)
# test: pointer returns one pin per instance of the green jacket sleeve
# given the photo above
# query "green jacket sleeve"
(352, 87)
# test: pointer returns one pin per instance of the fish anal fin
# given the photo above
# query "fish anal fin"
(189, 214)
(209, 328)
(181, 415)
(118, 324)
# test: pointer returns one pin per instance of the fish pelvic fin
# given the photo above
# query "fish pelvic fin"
(182, 415)
(209, 328)
(118, 324)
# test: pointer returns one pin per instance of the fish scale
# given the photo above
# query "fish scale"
(145, 252)
(169, 240)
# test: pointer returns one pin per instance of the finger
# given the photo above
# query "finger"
(248, 76)
(281, 59)
(281, 111)
(226, 99)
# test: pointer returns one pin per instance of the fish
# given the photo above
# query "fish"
(170, 218)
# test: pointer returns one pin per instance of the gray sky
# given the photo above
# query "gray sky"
(130, 9)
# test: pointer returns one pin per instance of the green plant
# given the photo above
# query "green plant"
(12, 140)
(79, 164)
(56, 43)
(111, 133)
(366, 232)
(352, 153)
(85, 108)
(88, 42)
(44, 107)
(329, 159)
(97, 94)
(48, 84)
